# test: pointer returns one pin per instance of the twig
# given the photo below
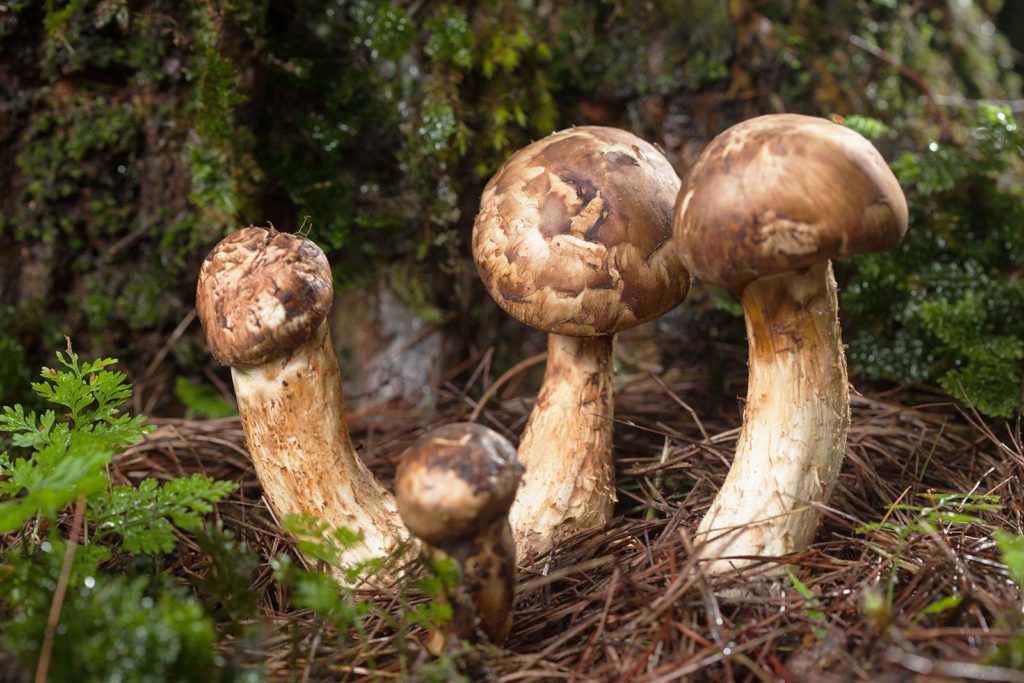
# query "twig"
(562, 573)
(172, 339)
(509, 374)
(684, 405)
(43, 668)
(959, 670)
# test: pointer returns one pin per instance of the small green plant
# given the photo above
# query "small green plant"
(812, 606)
(68, 455)
(337, 604)
(109, 627)
(942, 511)
(1010, 653)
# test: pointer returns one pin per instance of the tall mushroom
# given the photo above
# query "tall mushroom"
(262, 298)
(767, 205)
(573, 237)
(454, 487)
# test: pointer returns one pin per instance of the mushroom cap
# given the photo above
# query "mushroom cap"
(574, 233)
(456, 480)
(261, 293)
(783, 192)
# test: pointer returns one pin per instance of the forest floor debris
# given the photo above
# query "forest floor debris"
(904, 582)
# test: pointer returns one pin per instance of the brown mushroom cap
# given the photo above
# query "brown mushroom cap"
(455, 480)
(783, 192)
(574, 233)
(262, 293)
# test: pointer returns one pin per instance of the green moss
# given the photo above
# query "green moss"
(375, 124)
(77, 155)
(86, 35)
(947, 305)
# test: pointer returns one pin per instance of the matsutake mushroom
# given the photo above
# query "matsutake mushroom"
(573, 237)
(263, 297)
(765, 207)
(454, 488)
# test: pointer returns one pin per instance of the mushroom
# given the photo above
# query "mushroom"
(454, 488)
(762, 211)
(573, 237)
(262, 298)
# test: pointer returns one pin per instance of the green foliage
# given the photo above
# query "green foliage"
(336, 603)
(52, 478)
(105, 34)
(450, 38)
(145, 516)
(224, 175)
(1011, 548)
(812, 606)
(909, 523)
(319, 592)
(111, 627)
(947, 306)
(230, 568)
(319, 542)
(442, 96)
(58, 150)
(866, 126)
(201, 399)
(1011, 653)
(13, 374)
(70, 451)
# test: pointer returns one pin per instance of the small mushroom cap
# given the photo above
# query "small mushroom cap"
(783, 192)
(262, 293)
(574, 233)
(455, 480)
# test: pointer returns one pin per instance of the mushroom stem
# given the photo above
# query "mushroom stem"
(794, 425)
(293, 414)
(569, 482)
(485, 593)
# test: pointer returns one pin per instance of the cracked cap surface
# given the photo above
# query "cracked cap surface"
(783, 192)
(574, 233)
(261, 293)
(455, 480)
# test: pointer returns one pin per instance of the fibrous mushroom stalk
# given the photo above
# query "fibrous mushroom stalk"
(574, 237)
(794, 425)
(569, 483)
(263, 297)
(293, 414)
(483, 599)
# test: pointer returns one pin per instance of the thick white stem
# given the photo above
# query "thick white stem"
(794, 425)
(566, 449)
(293, 413)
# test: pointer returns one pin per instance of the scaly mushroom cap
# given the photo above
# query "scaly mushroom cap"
(262, 293)
(783, 192)
(455, 480)
(574, 233)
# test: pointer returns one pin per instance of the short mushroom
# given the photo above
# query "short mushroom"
(767, 205)
(454, 488)
(263, 297)
(573, 237)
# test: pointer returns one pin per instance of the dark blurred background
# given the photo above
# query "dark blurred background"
(135, 134)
